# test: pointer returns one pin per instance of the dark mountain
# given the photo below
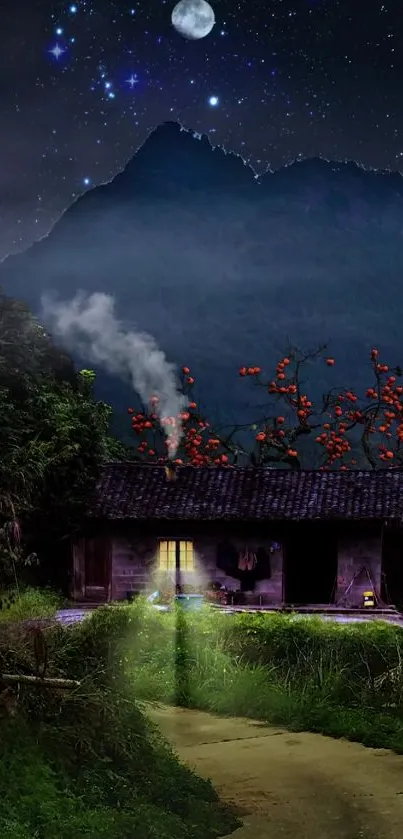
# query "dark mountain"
(223, 267)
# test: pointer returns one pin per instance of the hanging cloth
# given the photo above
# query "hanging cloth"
(247, 560)
(242, 561)
(251, 561)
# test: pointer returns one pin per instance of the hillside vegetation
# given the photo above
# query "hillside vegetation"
(85, 761)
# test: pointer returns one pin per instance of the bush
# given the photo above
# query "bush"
(350, 658)
(28, 604)
(306, 674)
(86, 762)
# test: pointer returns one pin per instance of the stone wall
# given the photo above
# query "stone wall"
(352, 556)
(130, 565)
(134, 566)
(271, 588)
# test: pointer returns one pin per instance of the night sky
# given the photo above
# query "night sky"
(81, 86)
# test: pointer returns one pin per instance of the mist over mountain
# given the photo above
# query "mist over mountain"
(223, 268)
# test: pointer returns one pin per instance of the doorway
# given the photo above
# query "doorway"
(310, 565)
(97, 568)
(392, 567)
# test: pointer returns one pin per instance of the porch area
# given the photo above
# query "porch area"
(306, 567)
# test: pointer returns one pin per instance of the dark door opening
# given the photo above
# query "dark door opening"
(96, 568)
(310, 566)
(392, 567)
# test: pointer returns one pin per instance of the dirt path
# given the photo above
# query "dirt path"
(291, 786)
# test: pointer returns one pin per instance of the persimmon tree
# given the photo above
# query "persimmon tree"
(347, 430)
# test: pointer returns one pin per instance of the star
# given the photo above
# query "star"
(253, 73)
(132, 81)
(57, 51)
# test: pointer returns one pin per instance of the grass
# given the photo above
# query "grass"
(86, 763)
(28, 603)
(343, 681)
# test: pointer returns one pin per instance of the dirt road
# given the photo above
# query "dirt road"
(291, 786)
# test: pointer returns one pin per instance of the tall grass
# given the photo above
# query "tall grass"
(86, 762)
(307, 675)
(28, 604)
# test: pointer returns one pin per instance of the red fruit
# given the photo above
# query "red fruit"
(330, 362)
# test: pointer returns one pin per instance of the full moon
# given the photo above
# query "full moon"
(193, 19)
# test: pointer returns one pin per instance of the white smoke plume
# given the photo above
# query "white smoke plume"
(88, 325)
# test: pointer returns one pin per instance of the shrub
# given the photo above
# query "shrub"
(87, 762)
(305, 674)
(29, 603)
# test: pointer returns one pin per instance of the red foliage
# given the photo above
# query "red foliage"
(372, 425)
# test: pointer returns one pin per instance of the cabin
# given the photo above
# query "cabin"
(271, 537)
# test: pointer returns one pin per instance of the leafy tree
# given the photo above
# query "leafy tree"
(342, 430)
(53, 438)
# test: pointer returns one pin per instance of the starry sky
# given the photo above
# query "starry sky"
(82, 84)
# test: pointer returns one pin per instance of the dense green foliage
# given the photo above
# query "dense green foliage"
(53, 438)
(85, 762)
(304, 673)
(27, 603)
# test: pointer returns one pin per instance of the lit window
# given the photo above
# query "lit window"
(167, 555)
(186, 553)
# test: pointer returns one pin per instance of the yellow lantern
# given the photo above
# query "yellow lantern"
(369, 599)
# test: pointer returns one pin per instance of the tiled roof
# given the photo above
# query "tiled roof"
(141, 491)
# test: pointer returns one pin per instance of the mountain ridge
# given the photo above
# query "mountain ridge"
(171, 130)
(222, 265)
